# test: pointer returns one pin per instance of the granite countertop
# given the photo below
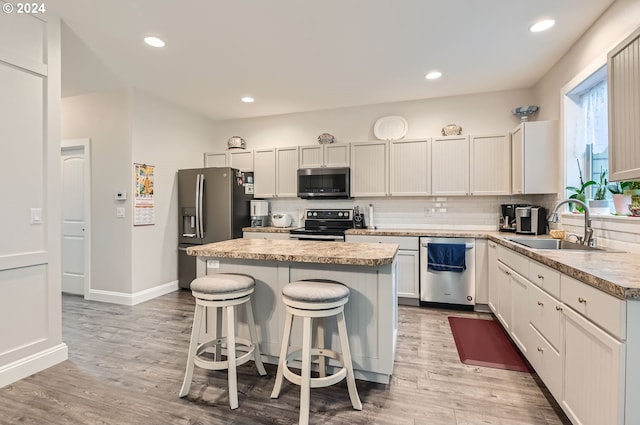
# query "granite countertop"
(613, 272)
(268, 229)
(344, 253)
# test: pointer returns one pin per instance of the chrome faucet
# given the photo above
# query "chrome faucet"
(588, 231)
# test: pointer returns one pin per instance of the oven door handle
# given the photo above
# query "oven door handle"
(316, 237)
(467, 245)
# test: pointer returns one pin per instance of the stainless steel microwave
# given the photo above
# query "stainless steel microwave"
(327, 183)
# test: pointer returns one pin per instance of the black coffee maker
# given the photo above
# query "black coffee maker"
(507, 221)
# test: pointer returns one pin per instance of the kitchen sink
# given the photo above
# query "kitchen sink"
(553, 244)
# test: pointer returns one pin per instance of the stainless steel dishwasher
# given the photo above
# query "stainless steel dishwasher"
(448, 287)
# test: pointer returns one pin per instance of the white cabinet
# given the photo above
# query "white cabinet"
(287, 172)
(327, 155)
(623, 75)
(275, 172)
(242, 159)
(503, 307)
(215, 159)
(578, 343)
(482, 271)
(450, 165)
(410, 167)
(534, 157)
(264, 173)
(593, 373)
(369, 167)
(492, 276)
(490, 164)
(408, 260)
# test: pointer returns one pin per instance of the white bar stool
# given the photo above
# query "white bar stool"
(315, 299)
(223, 291)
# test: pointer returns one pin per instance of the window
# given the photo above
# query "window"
(587, 130)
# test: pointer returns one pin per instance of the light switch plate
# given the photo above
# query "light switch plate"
(36, 215)
(120, 212)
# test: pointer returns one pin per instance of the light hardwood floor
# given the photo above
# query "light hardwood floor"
(126, 366)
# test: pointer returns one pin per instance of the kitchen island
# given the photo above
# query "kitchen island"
(368, 269)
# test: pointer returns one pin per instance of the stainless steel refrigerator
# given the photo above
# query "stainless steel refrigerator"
(212, 207)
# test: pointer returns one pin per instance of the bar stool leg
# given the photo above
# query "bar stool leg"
(254, 338)
(346, 355)
(282, 361)
(195, 336)
(231, 357)
(322, 360)
(218, 355)
(305, 375)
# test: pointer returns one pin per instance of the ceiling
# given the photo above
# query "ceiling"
(295, 55)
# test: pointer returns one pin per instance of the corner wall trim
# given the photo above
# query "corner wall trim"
(32, 364)
(124, 298)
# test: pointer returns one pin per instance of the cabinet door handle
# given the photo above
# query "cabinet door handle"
(540, 303)
(540, 349)
(558, 308)
(540, 276)
(582, 300)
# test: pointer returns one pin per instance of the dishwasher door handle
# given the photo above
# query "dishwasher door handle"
(467, 245)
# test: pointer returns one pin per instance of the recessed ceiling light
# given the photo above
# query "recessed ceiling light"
(154, 41)
(434, 75)
(542, 25)
(247, 99)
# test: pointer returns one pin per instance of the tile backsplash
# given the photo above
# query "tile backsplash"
(453, 212)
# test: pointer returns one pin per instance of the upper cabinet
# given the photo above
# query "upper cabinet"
(409, 167)
(624, 109)
(215, 159)
(242, 159)
(275, 172)
(534, 158)
(490, 164)
(369, 168)
(450, 165)
(326, 155)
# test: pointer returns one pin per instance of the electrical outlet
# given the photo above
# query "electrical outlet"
(120, 212)
(427, 212)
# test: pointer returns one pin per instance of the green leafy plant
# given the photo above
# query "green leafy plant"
(619, 188)
(579, 192)
(601, 186)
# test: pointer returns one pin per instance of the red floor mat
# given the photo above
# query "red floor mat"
(483, 342)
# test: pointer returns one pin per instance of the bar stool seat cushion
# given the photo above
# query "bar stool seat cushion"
(313, 291)
(222, 283)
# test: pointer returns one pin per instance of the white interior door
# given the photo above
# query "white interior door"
(75, 213)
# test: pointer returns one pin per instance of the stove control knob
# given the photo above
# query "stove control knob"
(315, 214)
(340, 214)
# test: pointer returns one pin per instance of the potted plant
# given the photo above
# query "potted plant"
(621, 199)
(599, 204)
(579, 192)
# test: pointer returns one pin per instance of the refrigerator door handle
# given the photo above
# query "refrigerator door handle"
(197, 198)
(199, 205)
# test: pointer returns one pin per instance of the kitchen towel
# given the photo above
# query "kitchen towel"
(446, 257)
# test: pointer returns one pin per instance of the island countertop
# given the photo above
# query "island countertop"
(345, 253)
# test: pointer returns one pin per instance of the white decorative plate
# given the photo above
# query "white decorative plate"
(390, 128)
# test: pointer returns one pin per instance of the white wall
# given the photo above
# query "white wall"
(30, 265)
(170, 138)
(622, 18)
(476, 114)
(105, 119)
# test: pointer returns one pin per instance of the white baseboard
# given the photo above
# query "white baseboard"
(32, 364)
(123, 298)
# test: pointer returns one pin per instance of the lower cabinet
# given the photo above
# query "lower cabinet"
(408, 259)
(593, 373)
(576, 337)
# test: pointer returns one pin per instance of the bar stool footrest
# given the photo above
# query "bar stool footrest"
(320, 382)
(223, 364)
